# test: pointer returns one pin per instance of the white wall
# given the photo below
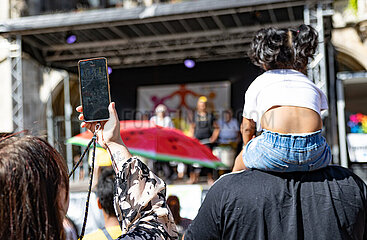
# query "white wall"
(4, 10)
(6, 114)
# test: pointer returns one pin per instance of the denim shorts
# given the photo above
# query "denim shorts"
(278, 152)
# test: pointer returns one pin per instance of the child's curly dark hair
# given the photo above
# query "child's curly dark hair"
(274, 48)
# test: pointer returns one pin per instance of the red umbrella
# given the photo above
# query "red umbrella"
(165, 144)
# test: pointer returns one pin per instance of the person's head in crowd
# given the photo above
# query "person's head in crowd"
(161, 111)
(174, 206)
(105, 201)
(227, 115)
(105, 191)
(34, 189)
(202, 104)
(288, 48)
(181, 222)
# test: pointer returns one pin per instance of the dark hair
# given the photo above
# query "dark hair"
(105, 190)
(174, 205)
(32, 174)
(274, 48)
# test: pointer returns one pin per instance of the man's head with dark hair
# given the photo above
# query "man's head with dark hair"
(105, 190)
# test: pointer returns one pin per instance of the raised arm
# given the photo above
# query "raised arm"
(140, 196)
(109, 137)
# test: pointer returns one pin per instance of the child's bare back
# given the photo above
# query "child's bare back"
(290, 119)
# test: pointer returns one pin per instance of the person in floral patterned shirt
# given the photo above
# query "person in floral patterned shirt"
(140, 196)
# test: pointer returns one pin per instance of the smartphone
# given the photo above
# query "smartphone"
(94, 89)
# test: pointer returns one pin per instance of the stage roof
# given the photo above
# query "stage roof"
(148, 36)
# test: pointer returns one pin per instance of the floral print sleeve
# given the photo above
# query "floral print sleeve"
(140, 203)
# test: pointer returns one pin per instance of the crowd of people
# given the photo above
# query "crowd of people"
(282, 186)
(219, 133)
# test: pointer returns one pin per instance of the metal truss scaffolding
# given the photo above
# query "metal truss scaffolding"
(15, 58)
(314, 15)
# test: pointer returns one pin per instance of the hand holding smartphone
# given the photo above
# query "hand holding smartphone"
(94, 89)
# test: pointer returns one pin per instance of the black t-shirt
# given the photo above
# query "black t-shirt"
(203, 125)
(329, 203)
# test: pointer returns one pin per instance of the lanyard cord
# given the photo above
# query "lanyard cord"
(114, 165)
(89, 189)
(93, 140)
(81, 158)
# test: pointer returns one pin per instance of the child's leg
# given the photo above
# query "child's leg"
(259, 154)
(238, 164)
(318, 158)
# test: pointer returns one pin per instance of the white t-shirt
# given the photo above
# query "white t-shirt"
(281, 87)
(165, 122)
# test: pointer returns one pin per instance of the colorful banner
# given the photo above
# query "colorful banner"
(357, 123)
(184, 96)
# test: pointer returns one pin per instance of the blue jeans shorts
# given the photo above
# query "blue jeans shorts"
(278, 152)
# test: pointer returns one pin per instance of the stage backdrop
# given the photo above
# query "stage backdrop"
(184, 96)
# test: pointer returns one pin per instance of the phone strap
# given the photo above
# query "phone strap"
(93, 140)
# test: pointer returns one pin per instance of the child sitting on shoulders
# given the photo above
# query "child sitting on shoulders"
(284, 104)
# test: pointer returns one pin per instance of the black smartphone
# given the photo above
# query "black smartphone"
(94, 89)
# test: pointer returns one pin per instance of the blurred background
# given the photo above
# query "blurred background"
(172, 52)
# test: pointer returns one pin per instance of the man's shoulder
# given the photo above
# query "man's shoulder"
(255, 178)
(286, 205)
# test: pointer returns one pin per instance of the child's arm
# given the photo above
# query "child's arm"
(248, 129)
(248, 132)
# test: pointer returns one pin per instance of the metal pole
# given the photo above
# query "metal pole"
(20, 86)
(15, 57)
(332, 105)
(321, 38)
(341, 123)
(50, 125)
(307, 20)
(306, 14)
(68, 111)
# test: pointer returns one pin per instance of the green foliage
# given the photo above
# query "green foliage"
(353, 5)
